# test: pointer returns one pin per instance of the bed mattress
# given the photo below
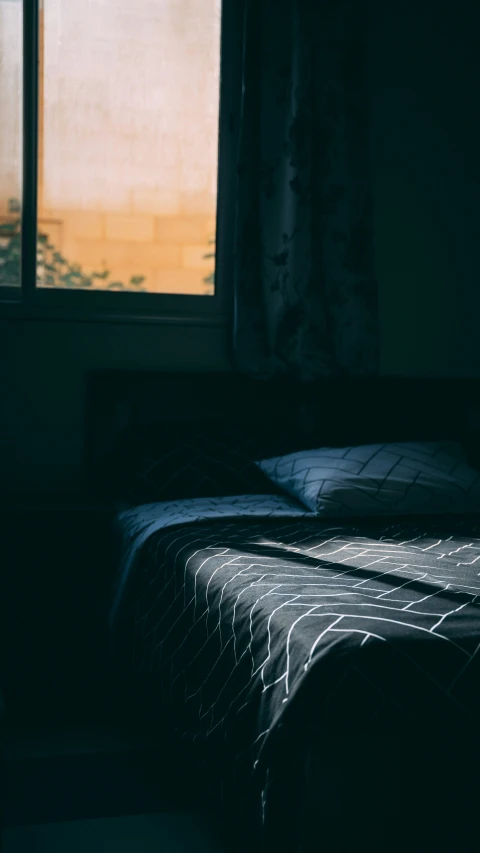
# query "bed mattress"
(264, 624)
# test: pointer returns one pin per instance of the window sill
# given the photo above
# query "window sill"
(166, 311)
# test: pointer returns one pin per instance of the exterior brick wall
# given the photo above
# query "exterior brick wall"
(168, 251)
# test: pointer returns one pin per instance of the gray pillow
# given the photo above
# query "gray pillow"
(379, 479)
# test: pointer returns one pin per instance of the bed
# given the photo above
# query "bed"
(325, 670)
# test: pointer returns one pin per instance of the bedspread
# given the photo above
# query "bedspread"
(263, 622)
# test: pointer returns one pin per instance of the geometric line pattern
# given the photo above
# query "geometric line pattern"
(257, 628)
(376, 479)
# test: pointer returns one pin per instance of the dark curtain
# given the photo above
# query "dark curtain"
(305, 300)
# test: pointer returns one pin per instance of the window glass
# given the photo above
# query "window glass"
(128, 144)
(10, 141)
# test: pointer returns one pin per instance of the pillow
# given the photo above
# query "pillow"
(170, 462)
(379, 479)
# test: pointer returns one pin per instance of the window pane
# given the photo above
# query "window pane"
(128, 139)
(10, 140)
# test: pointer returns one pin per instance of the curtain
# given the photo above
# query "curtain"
(305, 299)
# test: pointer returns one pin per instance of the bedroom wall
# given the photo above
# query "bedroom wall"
(424, 79)
(424, 75)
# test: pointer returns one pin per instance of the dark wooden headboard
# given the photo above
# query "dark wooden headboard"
(331, 411)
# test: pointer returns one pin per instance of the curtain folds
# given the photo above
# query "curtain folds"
(305, 298)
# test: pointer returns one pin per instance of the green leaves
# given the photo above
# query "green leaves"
(13, 206)
(209, 280)
(53, 269)
(7, 229)
(10, 248)
(56, 271)
(137, 280)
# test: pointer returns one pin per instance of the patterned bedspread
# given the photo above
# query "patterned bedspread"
(264, 622)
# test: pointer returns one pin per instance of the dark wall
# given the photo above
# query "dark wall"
(425, 143)
(43, 369)
(424, 83)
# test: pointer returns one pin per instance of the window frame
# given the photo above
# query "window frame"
(31, 302)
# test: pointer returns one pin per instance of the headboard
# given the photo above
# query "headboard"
(335, 411)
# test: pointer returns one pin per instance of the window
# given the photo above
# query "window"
(10, 141)
(117, 208)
